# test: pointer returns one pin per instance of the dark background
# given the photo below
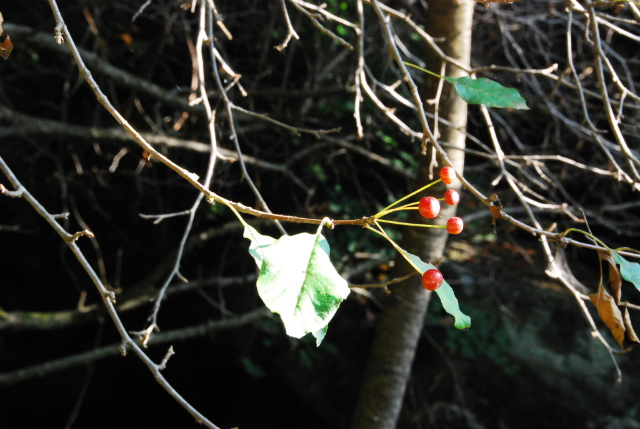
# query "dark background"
(529, 360)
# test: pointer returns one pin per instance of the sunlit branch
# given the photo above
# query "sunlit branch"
(290, 31)
(632, 161)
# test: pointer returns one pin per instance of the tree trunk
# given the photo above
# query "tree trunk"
(400, 324)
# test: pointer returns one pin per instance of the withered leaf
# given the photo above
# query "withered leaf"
(630, 334)
(615, 279)
(495, 205)
(609, 313)
(5, 48)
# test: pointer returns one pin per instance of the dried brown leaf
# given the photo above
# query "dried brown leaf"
(615, 279)
(5, 48)
(495, 205)
(609, 313)
(630, 334)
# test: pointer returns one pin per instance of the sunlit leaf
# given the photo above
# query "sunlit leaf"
(609, 313)
(630, 270)
(445, 293)
(258, 242)
(487, 92)
(297, 280)
(320, 334)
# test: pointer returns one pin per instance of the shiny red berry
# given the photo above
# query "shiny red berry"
(429, 207)
(448, 175)
(455, 225)
(451, 197)
(432, 279)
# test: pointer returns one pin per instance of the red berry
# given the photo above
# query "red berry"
(451, 197)
(455, 225)
(432, 279)
(448, 175)
(429, 207)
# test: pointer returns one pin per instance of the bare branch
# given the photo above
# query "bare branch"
(51, 367)
(290, 31)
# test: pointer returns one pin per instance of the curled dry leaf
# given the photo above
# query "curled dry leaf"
(616, 318)
(630, 334)
(495, 205)
(615, 279)
(609, 313)
(5, 46)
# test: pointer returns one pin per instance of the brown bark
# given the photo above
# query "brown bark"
(400, 324)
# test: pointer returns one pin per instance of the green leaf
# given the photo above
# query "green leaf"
(320, 334)
(487, 92)
(297, 280)
(445, 293)
(630, 271)
(258, 242)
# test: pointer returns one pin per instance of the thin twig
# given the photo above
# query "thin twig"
(62, 34)
(204, 33)
(112, 350)
(290, 31)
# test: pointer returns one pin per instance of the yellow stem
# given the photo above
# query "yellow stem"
(383, 211)
(393, 243)
(421, 225)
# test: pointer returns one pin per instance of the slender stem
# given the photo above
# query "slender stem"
(593, 237)
(422, 225)
(409, 206)
(628, 249)
(424, 70)
(383, 233)
(384, 211)
(235, 212)
(385, 284)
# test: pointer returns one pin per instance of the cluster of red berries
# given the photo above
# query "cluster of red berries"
(430, 206)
